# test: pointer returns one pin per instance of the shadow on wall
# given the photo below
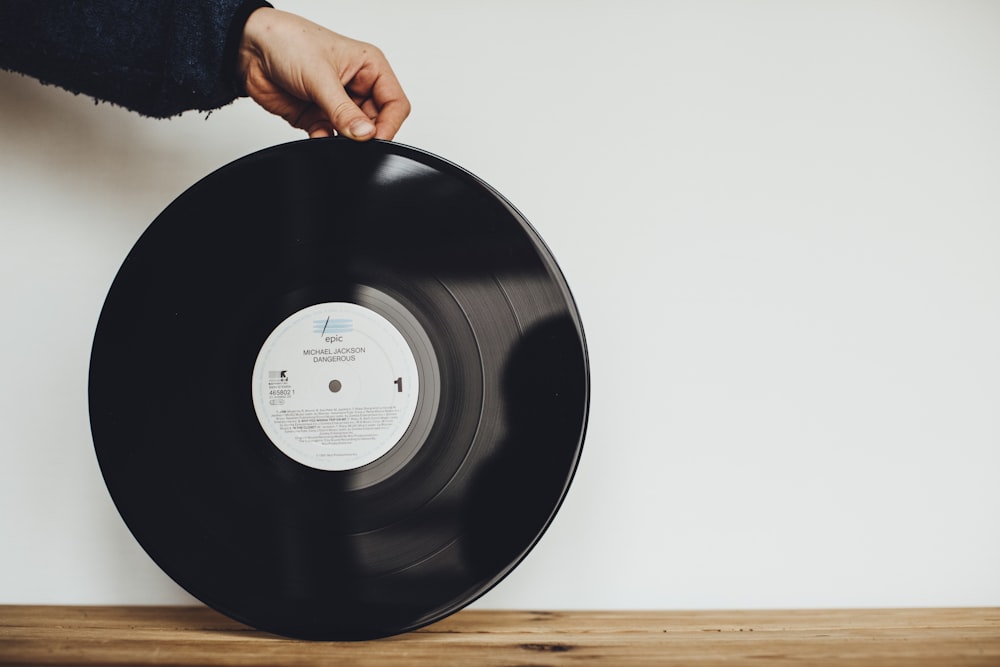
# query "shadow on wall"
(61, 142)
(79, 180)
(40, 121)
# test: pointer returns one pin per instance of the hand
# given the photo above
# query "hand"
(317, 80)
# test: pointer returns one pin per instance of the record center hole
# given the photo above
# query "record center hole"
(335, 386)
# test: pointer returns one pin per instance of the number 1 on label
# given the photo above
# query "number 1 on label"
(399, 384)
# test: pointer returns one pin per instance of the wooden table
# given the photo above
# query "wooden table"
(46, 635)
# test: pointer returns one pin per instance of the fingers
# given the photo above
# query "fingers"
(369, 102)
(356, 90)
(379, 116)
(319, 81)
(393, 106)
(389, 121)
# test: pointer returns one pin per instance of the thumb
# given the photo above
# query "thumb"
(346, 117)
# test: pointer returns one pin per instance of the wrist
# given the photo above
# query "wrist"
(246, 22)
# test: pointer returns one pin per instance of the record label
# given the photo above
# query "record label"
(335, 386)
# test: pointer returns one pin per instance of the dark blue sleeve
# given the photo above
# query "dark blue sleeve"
(158, 58)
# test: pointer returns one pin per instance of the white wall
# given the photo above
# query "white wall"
(781, 221)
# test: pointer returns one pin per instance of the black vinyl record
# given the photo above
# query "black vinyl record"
(338, 390)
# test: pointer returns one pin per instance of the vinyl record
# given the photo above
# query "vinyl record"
(338, 390)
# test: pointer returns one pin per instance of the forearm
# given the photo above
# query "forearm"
(156, 58)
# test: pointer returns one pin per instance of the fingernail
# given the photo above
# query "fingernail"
(362, 128)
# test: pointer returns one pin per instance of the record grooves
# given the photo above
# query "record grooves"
(339, 390)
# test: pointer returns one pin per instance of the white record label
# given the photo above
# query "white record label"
(335, 386)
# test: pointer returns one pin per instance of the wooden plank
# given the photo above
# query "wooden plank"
(79, 635)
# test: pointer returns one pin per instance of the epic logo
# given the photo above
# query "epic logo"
(334, 327)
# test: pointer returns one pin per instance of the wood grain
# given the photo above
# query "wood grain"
(81, 635)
